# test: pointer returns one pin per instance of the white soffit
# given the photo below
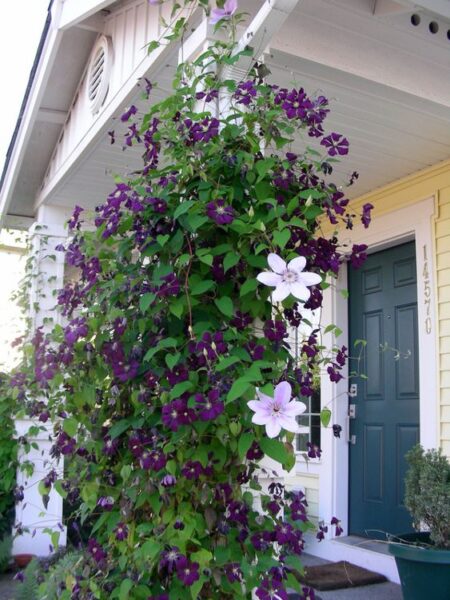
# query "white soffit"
(388, 83)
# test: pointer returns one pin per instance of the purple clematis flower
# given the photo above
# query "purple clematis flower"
(110, 446)
(176, 413)
(121, 532)
(366, 217)
(245, 92)
(221, 213)
(170, 559)
(336, 144)
(335, 521)
(96, 550)
(132, 110)
(168, 480)
(187, 572)
(233, 572)
(271, 590)
(192, 469)
(210, 407)
(106, 502)
(279, 412)
(228, 10)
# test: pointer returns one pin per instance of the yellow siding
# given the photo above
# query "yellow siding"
(432, 182)
(443, 258)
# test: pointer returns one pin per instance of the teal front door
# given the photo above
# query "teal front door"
(385, 400)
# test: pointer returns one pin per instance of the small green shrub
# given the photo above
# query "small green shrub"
(427, 494)
(8, 454)
(5, 553)
(61, 576)
(29, 588)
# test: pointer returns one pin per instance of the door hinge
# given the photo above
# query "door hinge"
(352, 411)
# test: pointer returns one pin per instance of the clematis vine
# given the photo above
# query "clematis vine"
(279, 412)
(157, 385)
(288, 278)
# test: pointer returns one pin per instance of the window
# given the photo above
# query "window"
(311, 419)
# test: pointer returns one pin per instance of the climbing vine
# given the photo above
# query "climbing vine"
(172, 385)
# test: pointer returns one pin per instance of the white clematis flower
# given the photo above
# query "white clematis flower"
(288, 278)
(279, 412)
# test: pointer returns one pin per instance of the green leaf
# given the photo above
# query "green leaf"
(203, 557)
(180, 388)
(231, 259)
(244, 443)
(146, 300)
(207, 259)
(196, 588)
(196, 221)
(55, 539)
(226, 362)
(164, 343)
(119, 427)
(172, 359)
(312, 212)
(152, 46)
(201, 287)
(249, 286)
(70, 426)
(125, 472)
(150, 549)
(177, 307)
(125, 588)
(325, 417)
(238, 389)
(162, 239)
(274, 449)
(264, 166)
(182, 208)
(281, 238)
(263, 190)
(225, 305)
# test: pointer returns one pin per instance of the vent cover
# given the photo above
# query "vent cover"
(98, 73)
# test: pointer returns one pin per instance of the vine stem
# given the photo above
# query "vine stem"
(186, 287)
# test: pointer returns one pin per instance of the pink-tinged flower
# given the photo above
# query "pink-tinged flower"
(228, 10)
(279, 412)
(288, 278)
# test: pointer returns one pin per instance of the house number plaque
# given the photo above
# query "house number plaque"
(426, 290)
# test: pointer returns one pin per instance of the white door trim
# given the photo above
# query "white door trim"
(412, 223)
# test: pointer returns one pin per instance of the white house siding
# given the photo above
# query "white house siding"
(129, 29)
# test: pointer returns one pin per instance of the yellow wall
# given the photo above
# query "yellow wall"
(432, 182)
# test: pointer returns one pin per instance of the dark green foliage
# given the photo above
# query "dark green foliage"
(8, 455)
(61, 576)
(5, 553)
(29, 589)
(427, 494)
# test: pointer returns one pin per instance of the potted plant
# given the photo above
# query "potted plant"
(423, 558)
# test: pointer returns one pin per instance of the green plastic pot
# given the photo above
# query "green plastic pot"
(424, 572)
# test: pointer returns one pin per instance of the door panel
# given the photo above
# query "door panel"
(383, 312)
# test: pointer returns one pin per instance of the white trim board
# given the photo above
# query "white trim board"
(414, 222)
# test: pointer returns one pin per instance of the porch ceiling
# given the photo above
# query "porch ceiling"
(391, 133)
(388, 82)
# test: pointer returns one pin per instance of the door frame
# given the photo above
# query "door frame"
(414, 222)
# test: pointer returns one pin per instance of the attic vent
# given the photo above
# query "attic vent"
(98, 73)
